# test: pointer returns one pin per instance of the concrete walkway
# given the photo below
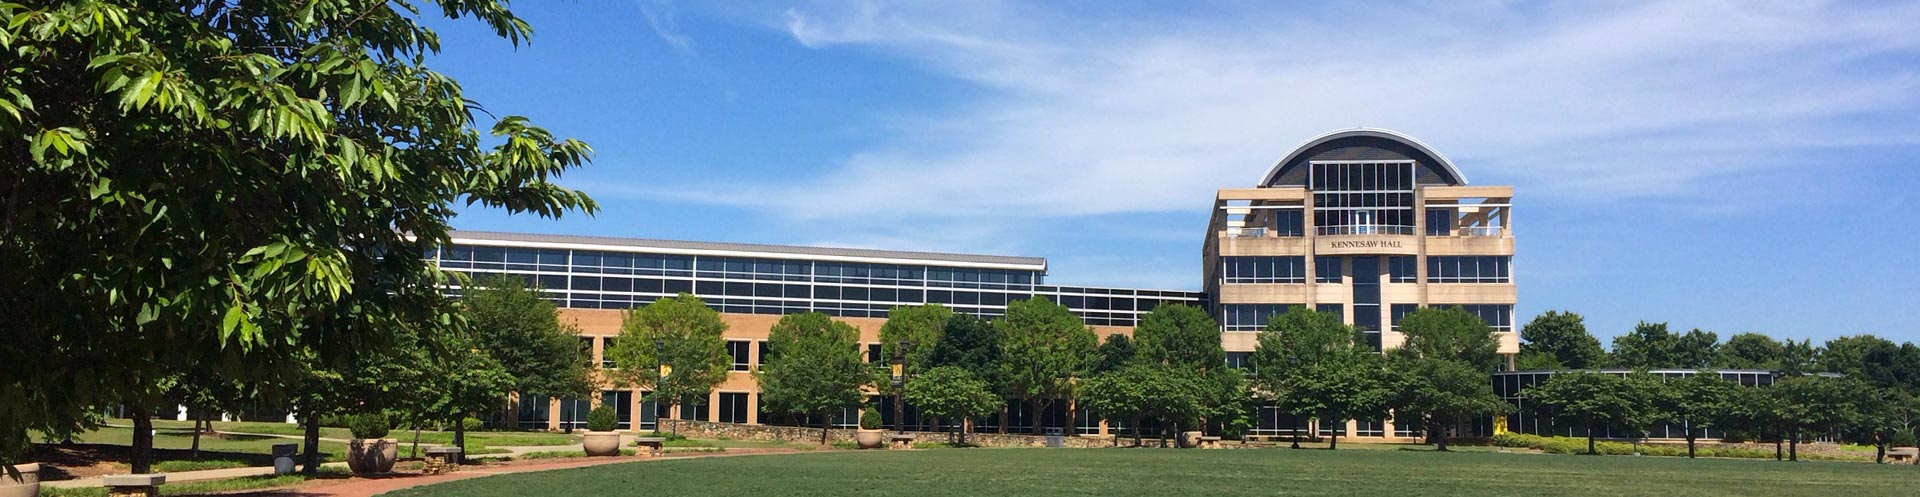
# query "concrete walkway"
(369, 487)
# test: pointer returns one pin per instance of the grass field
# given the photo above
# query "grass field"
(1019, 472)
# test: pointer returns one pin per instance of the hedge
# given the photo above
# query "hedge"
(1574, 445)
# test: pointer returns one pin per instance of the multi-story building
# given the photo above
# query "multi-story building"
(594, 278)
(1367, 224)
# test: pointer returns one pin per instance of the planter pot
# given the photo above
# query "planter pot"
(27, 486)
(601, 443)
(372, 456)
(870, 439)
(1190, 439)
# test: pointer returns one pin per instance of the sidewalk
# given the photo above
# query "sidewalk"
(369, 487)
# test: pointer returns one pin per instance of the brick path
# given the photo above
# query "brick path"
(369, 487)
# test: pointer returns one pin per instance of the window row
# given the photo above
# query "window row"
(1245, 270)
(1469, 269)
(1249, 317)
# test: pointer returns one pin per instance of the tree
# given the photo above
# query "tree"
(1143, 390)
(1811, 403)
(1596, 401)
(1757, 410)
(1180, 336)
(969, 343)
(1044, 346)
(465, 379)
(1559, 340)
(1438, 394)
(1697, 402)
(1314, 365)
(1451, 334)
(1798, 358)
(951, 392)
(815, 368)
(1749, 351)
(920, 326)
(1861, 356)
(1880, 414)
(1115, 353)
(523, 332)
(1651, 346)
(674, 347)
(255, 185)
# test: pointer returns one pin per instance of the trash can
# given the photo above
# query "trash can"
(1055, 439)
(283, 458)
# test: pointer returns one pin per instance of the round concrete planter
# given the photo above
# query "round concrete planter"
(870, 439)
(27, 486)
(1190, 439)
(601, 443)
(372, 456)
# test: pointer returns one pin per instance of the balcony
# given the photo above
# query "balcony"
(1364, 229)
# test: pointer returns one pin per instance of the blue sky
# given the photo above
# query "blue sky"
(1727, 165)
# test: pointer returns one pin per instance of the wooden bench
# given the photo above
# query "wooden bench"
(1903, 455)
(899, 442)
(651, 446)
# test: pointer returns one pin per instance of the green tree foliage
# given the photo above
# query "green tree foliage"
(1860, 356)
(254, 184)
(1756, 411)
(952, 392)
(1749, 351)
(1437, 394)
(1180, 336)
(1559, 340)
(1598, 401)
(970, 343)
(1115, 353)
(1651, 346)
(1144, 390)
(1797, 358)
(1880, 415)
(521, 330)
(1043, 348)
(679, 335)
(921, 325)
(1451, 334)
(1314, 366)
(603, 418)
(1812, 404)
(815, 368)
(462, 379)
(1697, 402)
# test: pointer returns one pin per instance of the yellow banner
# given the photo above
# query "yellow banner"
(666, 369)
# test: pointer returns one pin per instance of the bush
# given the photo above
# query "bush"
(870, 419)
(1902, 439)
(369, 426)
(603, 418)
(472, 424)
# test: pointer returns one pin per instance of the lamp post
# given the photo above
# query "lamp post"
(899, 386)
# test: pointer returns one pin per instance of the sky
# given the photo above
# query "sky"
(1733, 166)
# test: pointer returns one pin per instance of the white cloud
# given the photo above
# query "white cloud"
(665, 23)
(1114, 113)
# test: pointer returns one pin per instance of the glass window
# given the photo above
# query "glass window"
(1401, 269)
(1249, 317)
(1327, 269)
(694, 408)
(622, 402)
(1440, 221)
(739, 350)
(733, 407)
(606, 344)
(1337, 310)
(1469, 269)
(1258, 270)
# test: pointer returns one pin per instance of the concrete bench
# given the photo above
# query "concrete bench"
(1209, 442)
(900, 442)
(651, 446)
(1907, 455)
(441, 460)
(134, 485)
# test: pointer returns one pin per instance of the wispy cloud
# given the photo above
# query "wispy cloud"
(665, 23)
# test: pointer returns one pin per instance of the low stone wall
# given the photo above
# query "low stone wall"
(706, 429)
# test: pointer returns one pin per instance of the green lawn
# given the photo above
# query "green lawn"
(1156, 472)
(182, 439)
(488, 438)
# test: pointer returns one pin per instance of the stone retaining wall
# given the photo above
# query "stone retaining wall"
(707, 429)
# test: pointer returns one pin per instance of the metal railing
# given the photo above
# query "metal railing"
(1481, 230)
(1364, 229)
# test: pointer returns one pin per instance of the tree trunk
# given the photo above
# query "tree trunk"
(1590, 444)
(1003, 420)
(416, 440)
(1793, 445)
(312, 439)
(962, 428)
(459, 435)
(142, 460)
(1690, 438)
(197, 418)
(1440, 439)
(1776, 445)
(1039, 415)
(825, 422)
(1333, 442)
(1296, 436)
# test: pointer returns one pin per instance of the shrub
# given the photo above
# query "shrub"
(870, 419)
(472, 424)
(369, 425)
(603, 418)
(1902, 439)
